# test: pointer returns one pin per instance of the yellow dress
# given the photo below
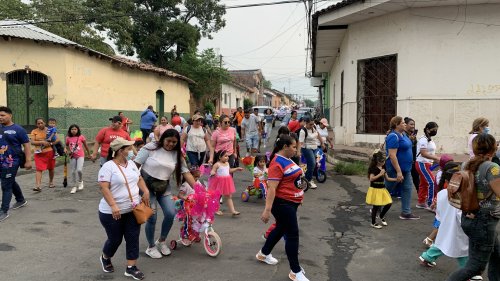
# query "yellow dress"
(377, 194)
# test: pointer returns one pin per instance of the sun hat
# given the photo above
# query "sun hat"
(196, 117)
(118, 143)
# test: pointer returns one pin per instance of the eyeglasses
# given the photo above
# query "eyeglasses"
(226, 122)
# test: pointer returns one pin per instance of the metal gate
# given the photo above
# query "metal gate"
(160, 103)
(27, 96)
(377, 93)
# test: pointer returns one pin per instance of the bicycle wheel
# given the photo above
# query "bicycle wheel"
(212, 244)
(321, 176)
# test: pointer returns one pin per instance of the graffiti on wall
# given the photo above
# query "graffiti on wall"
(483, 89)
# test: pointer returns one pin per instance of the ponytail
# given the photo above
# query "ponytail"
(281, 141)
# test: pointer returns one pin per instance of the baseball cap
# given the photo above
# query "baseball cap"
(115, 119)
(445, 158)
(324, 121)
(196, 117)
(119, 143)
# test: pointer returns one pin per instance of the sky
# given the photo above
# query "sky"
(270, 38)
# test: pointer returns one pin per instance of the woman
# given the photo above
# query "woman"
(308, 142)
(284, 195)
(480, 226)
(120, 183)
(426, 155)
(398, 165)
(44, 154)
(160, 129)
(268, 124)
(197, 141)
(322, 128)
(160, 161)
(480, 125)
(224, 138)
(412, 134)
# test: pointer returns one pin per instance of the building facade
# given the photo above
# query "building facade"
(233, 94)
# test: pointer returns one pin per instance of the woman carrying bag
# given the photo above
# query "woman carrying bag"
(120, 183)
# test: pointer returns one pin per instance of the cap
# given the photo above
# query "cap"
(115, 119)
(119, 143)
(445, 158)
(196, 117)
(324, 121)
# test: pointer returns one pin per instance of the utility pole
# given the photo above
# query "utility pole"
(220, 88)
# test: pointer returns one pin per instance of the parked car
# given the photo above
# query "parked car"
(262, 109)
(281, 113)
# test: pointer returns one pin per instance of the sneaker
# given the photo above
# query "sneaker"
(430, 209)
(383, 222)
(134, 272)
(264, 236)
(269, 259)
(80, 185)
(476, 278)
(313, 185)
(107, 266)
(164, 250)
(428, 242)
(18, 205)
(299, 276)
(426, 263)
(3, 216)
(376, 225)
(153, 253)
(73, 190)
(409, 216)
(421, 206)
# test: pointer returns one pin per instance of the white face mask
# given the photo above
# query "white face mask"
(486, 130)
(130, 155)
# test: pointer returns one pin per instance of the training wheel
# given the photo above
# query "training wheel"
(321, 176)
(245, 196)
(173, 245)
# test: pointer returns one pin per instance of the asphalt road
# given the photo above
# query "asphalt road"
(57, 236)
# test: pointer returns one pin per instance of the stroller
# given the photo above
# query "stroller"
(196, 212)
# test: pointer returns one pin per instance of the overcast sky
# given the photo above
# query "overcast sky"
(271, 38)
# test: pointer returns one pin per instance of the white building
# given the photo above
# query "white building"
(433, 60)
(233, 94)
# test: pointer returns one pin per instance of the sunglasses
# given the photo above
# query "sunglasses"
(226, 122)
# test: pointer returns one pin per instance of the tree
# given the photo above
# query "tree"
(309, 103)
(15, 9)
(267, 84)
(247, 103)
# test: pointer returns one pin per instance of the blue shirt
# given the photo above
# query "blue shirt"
(10, 145)
(50, 131)
(403, 144)
(148, 119)
(268, 118)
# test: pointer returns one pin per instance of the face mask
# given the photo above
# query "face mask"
(432, 133)
(130, 155)
(486, 130)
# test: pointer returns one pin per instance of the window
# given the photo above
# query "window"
(377, 93)
(342, 99)
(225, 98)
(237, 102)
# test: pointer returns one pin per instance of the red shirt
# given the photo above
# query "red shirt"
(176, 120)
(288, 174)
(106, 136)
(124, 124)
(293, 125)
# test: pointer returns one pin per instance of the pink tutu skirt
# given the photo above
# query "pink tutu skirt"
(224, 184)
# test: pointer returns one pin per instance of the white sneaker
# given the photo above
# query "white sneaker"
(80, 185)
(299, 276)
(162, 246)
(73, 190)
(313, 185)
(153, 253)
(269, 259)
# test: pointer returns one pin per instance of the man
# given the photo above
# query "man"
(239, 118)
(259, 122)
(12, 136)
(293, 124)
(125, 122)
(105, 136)
(148, 119)
(250, 132)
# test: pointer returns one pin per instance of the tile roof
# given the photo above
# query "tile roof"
(24, 30)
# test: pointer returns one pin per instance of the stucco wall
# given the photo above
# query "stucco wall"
(447, 71)
(233, 93)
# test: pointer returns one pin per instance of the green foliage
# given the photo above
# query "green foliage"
(267, 84)
(247, 103)
(209, 107)
(351, 168)
(15, 9)
(309, 103)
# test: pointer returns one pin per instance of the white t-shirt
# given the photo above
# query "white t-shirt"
(110, 172)
(322, 132)
(311, 142)
(158, 163)
(263, 173)
(196, 139)
(251, 125)
(425, 144)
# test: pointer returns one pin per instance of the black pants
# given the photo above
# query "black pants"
(375, 210)
(145, 134)
(285, 213)
(126, 227)
(415, 176)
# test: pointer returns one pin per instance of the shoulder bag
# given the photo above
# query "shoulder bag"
(142, 212)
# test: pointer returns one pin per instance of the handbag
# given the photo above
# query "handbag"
(155, 185)
(142, 212)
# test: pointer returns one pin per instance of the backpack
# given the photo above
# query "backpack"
(462, 191)
(448, 170)
(300, 129)
(189, 128)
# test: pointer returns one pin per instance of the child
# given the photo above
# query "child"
(75, 142)
(187, 234)
(377, 194)
(52, 137)
(260, 170)
(221, 180)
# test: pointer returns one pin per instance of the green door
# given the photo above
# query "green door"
(27, 97)
(160, 103)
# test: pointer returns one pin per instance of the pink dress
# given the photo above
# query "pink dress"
(222, 181)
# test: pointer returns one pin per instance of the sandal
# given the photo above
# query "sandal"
(428, 242)
(52, 185)
(37, 189)
(236, 213)
(219, 213)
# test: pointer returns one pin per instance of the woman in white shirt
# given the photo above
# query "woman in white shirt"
(115, 208)
(197, 141)
(308, 142)
(322, 128)
(426, 155)
(480, 125)
(160, 161)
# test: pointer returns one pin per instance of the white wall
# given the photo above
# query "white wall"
(233, 93)
(448, 72)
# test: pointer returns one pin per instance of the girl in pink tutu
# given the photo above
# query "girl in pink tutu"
(222, 180)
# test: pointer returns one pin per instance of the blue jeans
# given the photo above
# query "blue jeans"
(125, 227)
(9, 187)
(484, 248)
(310, 161)
(196, 158)
(252, 141)
(285, 213)
(168, 207)
(406, 188)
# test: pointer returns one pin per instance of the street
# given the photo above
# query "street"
(58, 236)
